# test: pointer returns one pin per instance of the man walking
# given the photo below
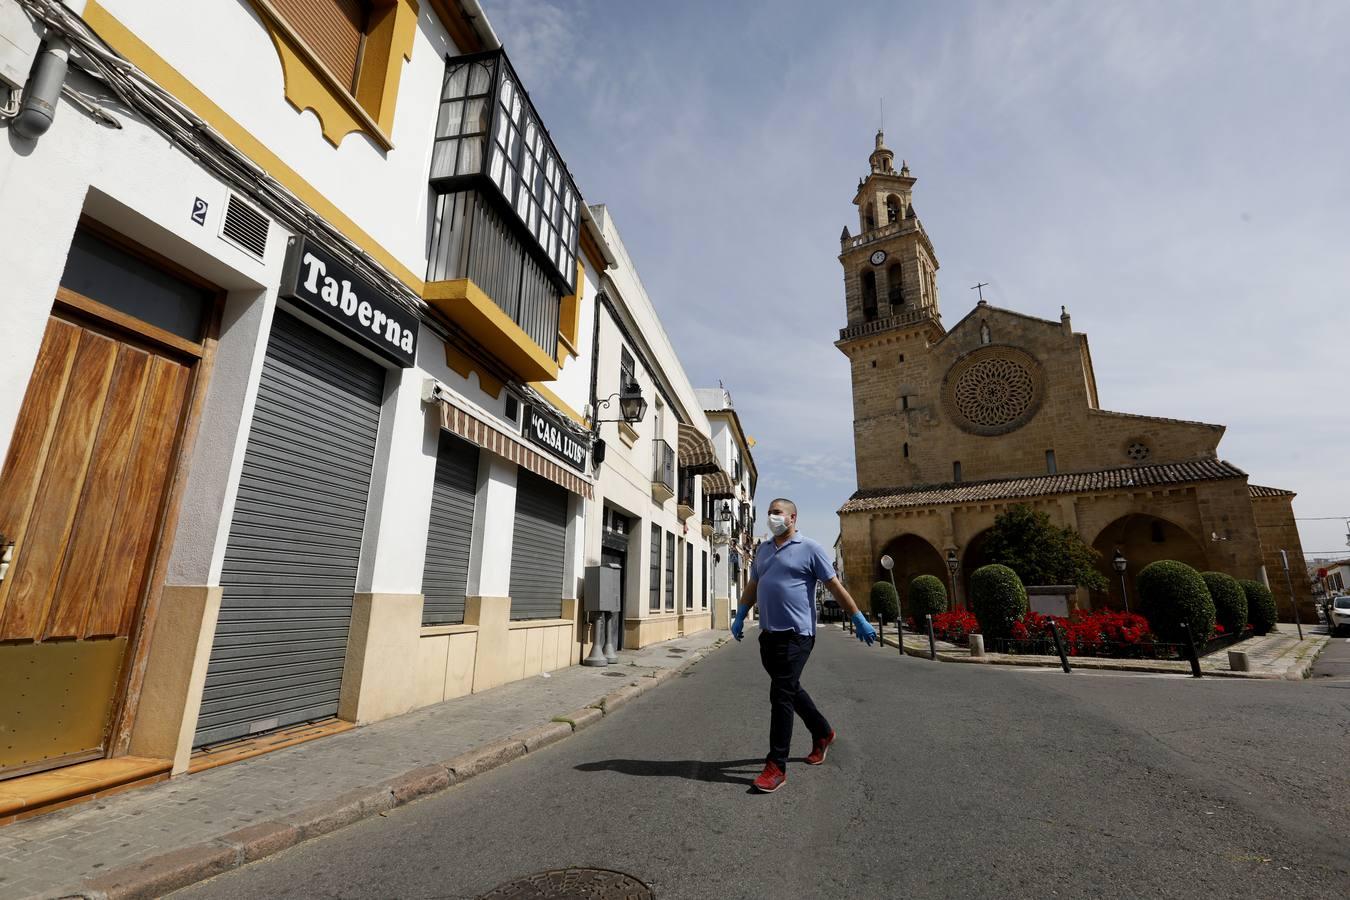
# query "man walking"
(783, 582)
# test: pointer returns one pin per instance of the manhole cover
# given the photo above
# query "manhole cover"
(591, 884)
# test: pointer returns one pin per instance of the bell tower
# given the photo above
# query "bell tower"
(891, 301)
(890, 269)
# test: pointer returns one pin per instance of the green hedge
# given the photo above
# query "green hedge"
(1170, 593)
(998, 599)
(927, 597)
(1260, 605)
(885, 601)
(1230, 603)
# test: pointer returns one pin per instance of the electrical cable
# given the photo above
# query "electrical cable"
(211, 150)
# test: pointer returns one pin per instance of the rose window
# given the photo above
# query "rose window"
(994, 390)
(1137, 451)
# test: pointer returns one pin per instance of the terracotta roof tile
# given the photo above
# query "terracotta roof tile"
(1040, 485)
(1257, 490)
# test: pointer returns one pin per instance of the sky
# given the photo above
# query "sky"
(1176, 174)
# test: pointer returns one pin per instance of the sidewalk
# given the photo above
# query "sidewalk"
(148, 842)
(1278, 655)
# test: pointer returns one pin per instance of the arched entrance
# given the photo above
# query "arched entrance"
(973, 556)
(1142, 539)
(913, 557)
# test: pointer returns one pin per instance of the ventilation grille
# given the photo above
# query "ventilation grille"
(245, 227)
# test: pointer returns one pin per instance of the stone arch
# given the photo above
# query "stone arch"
(895, 208)
(1143, 538)
(972, 557)
(869, 217)
(895, 285)
(914, 556)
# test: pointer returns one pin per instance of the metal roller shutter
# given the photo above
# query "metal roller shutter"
(290, 563)
(445, 575)
(538, 548)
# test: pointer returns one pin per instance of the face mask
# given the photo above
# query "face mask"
(778, 525)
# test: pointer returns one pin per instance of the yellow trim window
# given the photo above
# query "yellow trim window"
(343, 59)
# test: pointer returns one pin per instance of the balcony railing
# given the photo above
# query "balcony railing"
(908, 317)
(663, 468)
(890, 229)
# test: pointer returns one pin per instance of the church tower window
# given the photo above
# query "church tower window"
(906, 450)
(869, 295)
(895, 285)
(956, 471)
(892, 209)
(1050, 466)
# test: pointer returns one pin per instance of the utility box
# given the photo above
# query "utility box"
(602, 588)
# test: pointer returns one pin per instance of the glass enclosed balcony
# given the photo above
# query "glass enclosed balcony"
(507, 212)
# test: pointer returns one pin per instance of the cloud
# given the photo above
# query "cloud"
(1172, 174)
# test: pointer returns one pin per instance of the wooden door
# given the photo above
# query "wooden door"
(81, 498)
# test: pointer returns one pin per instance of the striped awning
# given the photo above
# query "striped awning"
(697, 455)
(489, 437)
(718, 485)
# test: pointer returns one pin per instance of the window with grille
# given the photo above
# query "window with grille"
(670, 572)
(655, 557)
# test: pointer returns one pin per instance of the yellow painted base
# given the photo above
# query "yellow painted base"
(56, 699)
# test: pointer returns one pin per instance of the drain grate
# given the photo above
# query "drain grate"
(565, 884)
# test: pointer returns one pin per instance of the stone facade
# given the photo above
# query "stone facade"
(953, 426)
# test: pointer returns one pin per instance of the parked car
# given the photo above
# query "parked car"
(1338, 614)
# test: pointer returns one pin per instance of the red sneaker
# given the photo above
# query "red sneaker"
(771, 779)
(818, 750)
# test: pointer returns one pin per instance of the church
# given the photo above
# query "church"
(952, 426)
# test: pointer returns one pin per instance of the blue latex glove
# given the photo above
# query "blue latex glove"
(863, 629)
(738, 623)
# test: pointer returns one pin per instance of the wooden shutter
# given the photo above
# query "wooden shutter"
(331, 29)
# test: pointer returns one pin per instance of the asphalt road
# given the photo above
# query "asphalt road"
(1334, 662)
(946, 780)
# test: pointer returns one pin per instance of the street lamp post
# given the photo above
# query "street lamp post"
(1119, 562)
(889, 565)
(954, 566)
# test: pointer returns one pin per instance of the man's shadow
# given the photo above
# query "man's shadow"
(727, 771)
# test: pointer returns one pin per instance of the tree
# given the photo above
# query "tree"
(1171, 593)
(998, 599)
(927, 596)
(1260, 605)
(1230, 602)
(885, 601)
(1041, 552)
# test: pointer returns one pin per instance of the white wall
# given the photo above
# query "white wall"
(385, 192)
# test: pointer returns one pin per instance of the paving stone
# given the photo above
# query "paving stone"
(250, 808)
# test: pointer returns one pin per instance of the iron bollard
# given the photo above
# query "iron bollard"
(881, 630)
(1195, 654)
(932, 641)
(848, 625)
(1059, 648)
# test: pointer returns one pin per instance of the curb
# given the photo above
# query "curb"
(1299, 671)
(177, 869)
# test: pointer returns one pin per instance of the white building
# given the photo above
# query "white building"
(731, 503)
(294, 388)
(648, 487)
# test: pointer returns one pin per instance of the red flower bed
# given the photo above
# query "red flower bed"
(1085, 633)
(956, 626)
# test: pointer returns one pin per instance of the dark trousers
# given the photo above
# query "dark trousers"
(784, 655)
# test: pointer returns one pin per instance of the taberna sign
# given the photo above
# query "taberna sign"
(322, 283)
(545, 429)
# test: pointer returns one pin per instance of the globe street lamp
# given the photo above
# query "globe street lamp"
(889, 565)
(1118, 562)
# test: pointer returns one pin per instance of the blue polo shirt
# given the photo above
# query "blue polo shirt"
(786, 579)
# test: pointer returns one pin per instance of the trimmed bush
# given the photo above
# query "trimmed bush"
(927, 596)
(1230, 603)
(1260, 605)
(998, 599)
(885, 601)
(1170, 593)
